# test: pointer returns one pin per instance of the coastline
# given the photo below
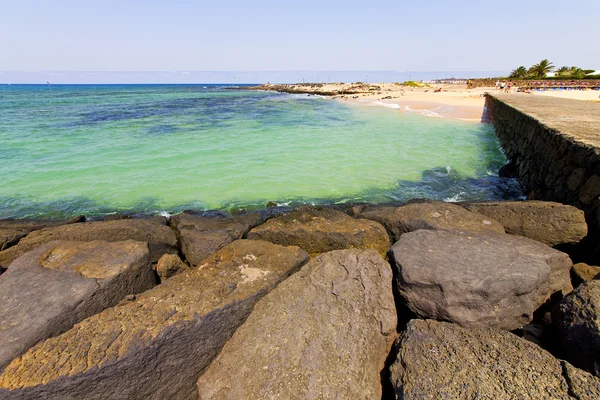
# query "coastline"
(452, 101)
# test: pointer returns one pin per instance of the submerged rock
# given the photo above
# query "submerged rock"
(155, 346)
(478, 280)
(161, 239)
(430, 215)
(544, 221)
(319, 230)
(438, 360)
(323, 333)
(48, 290)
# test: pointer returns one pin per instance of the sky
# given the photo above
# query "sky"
(175, 37)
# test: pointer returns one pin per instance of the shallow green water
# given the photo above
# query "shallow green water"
(66, 150)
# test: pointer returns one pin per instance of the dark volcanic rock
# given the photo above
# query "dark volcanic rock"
(323, 333)
(438, 360)
(544, 221)
(202, 236)
(577, 318)
(170, 265)
(161, 239)
(478, 280)
(434, 216)
(156, 346)
(49, 289)
(319, 230)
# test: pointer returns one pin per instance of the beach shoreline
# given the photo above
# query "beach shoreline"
(453, 101)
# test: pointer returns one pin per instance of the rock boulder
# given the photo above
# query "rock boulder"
(577, 318)
(582, 272)
(323, 333)
(544, 221)
(170, 265)
(161, 239)
(478, 280)
(202, 236)
(438, 360)
(48, 290)
(156, 346)
(430, 215)
(319, 230)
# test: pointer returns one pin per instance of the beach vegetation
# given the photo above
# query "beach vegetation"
(519, 72)
(542, 68)
(414, 84)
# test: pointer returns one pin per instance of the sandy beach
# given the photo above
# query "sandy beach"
(439, 101)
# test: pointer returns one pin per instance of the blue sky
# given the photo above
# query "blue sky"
(307, 35)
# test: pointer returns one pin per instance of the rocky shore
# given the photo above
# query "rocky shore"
(359, 301)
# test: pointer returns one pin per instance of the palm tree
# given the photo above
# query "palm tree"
(564, 70)
(519, 72)
(540, 69)
(576, 72)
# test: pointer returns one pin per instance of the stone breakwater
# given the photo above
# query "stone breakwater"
(553, 146)
(412, 301)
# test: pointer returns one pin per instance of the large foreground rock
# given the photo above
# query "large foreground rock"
(323, 333)
(49, 289)
(438, 360)
(577, 318)
(434, 216)
(319, 230)
(202, 236)
(544, 221)
(161, 239)
(155, 346)
(478, 280)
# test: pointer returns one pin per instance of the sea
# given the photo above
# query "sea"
(67, 150)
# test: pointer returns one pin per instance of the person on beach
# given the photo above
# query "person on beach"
(502, 85)
(497, 85)
(509, 86)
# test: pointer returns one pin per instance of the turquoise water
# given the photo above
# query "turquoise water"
(95, 149)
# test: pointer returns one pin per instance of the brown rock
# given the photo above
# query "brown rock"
(582, 385)
(170, 265)
(590, 190)
(438, 360)
(161, 239)
(154, 347)
(116, 217)
(319, 230)
(577, 318)
(202, 236)
(582, 272)
(544, 221)
(432, 216)
(12, 230)
(48, 290)
(478, 280)
(323, 333)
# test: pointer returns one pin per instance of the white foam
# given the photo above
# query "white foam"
(165, 214)
(454, 199)
(448, 169)
(388, 105)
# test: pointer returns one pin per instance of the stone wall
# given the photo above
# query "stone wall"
(549, 164)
